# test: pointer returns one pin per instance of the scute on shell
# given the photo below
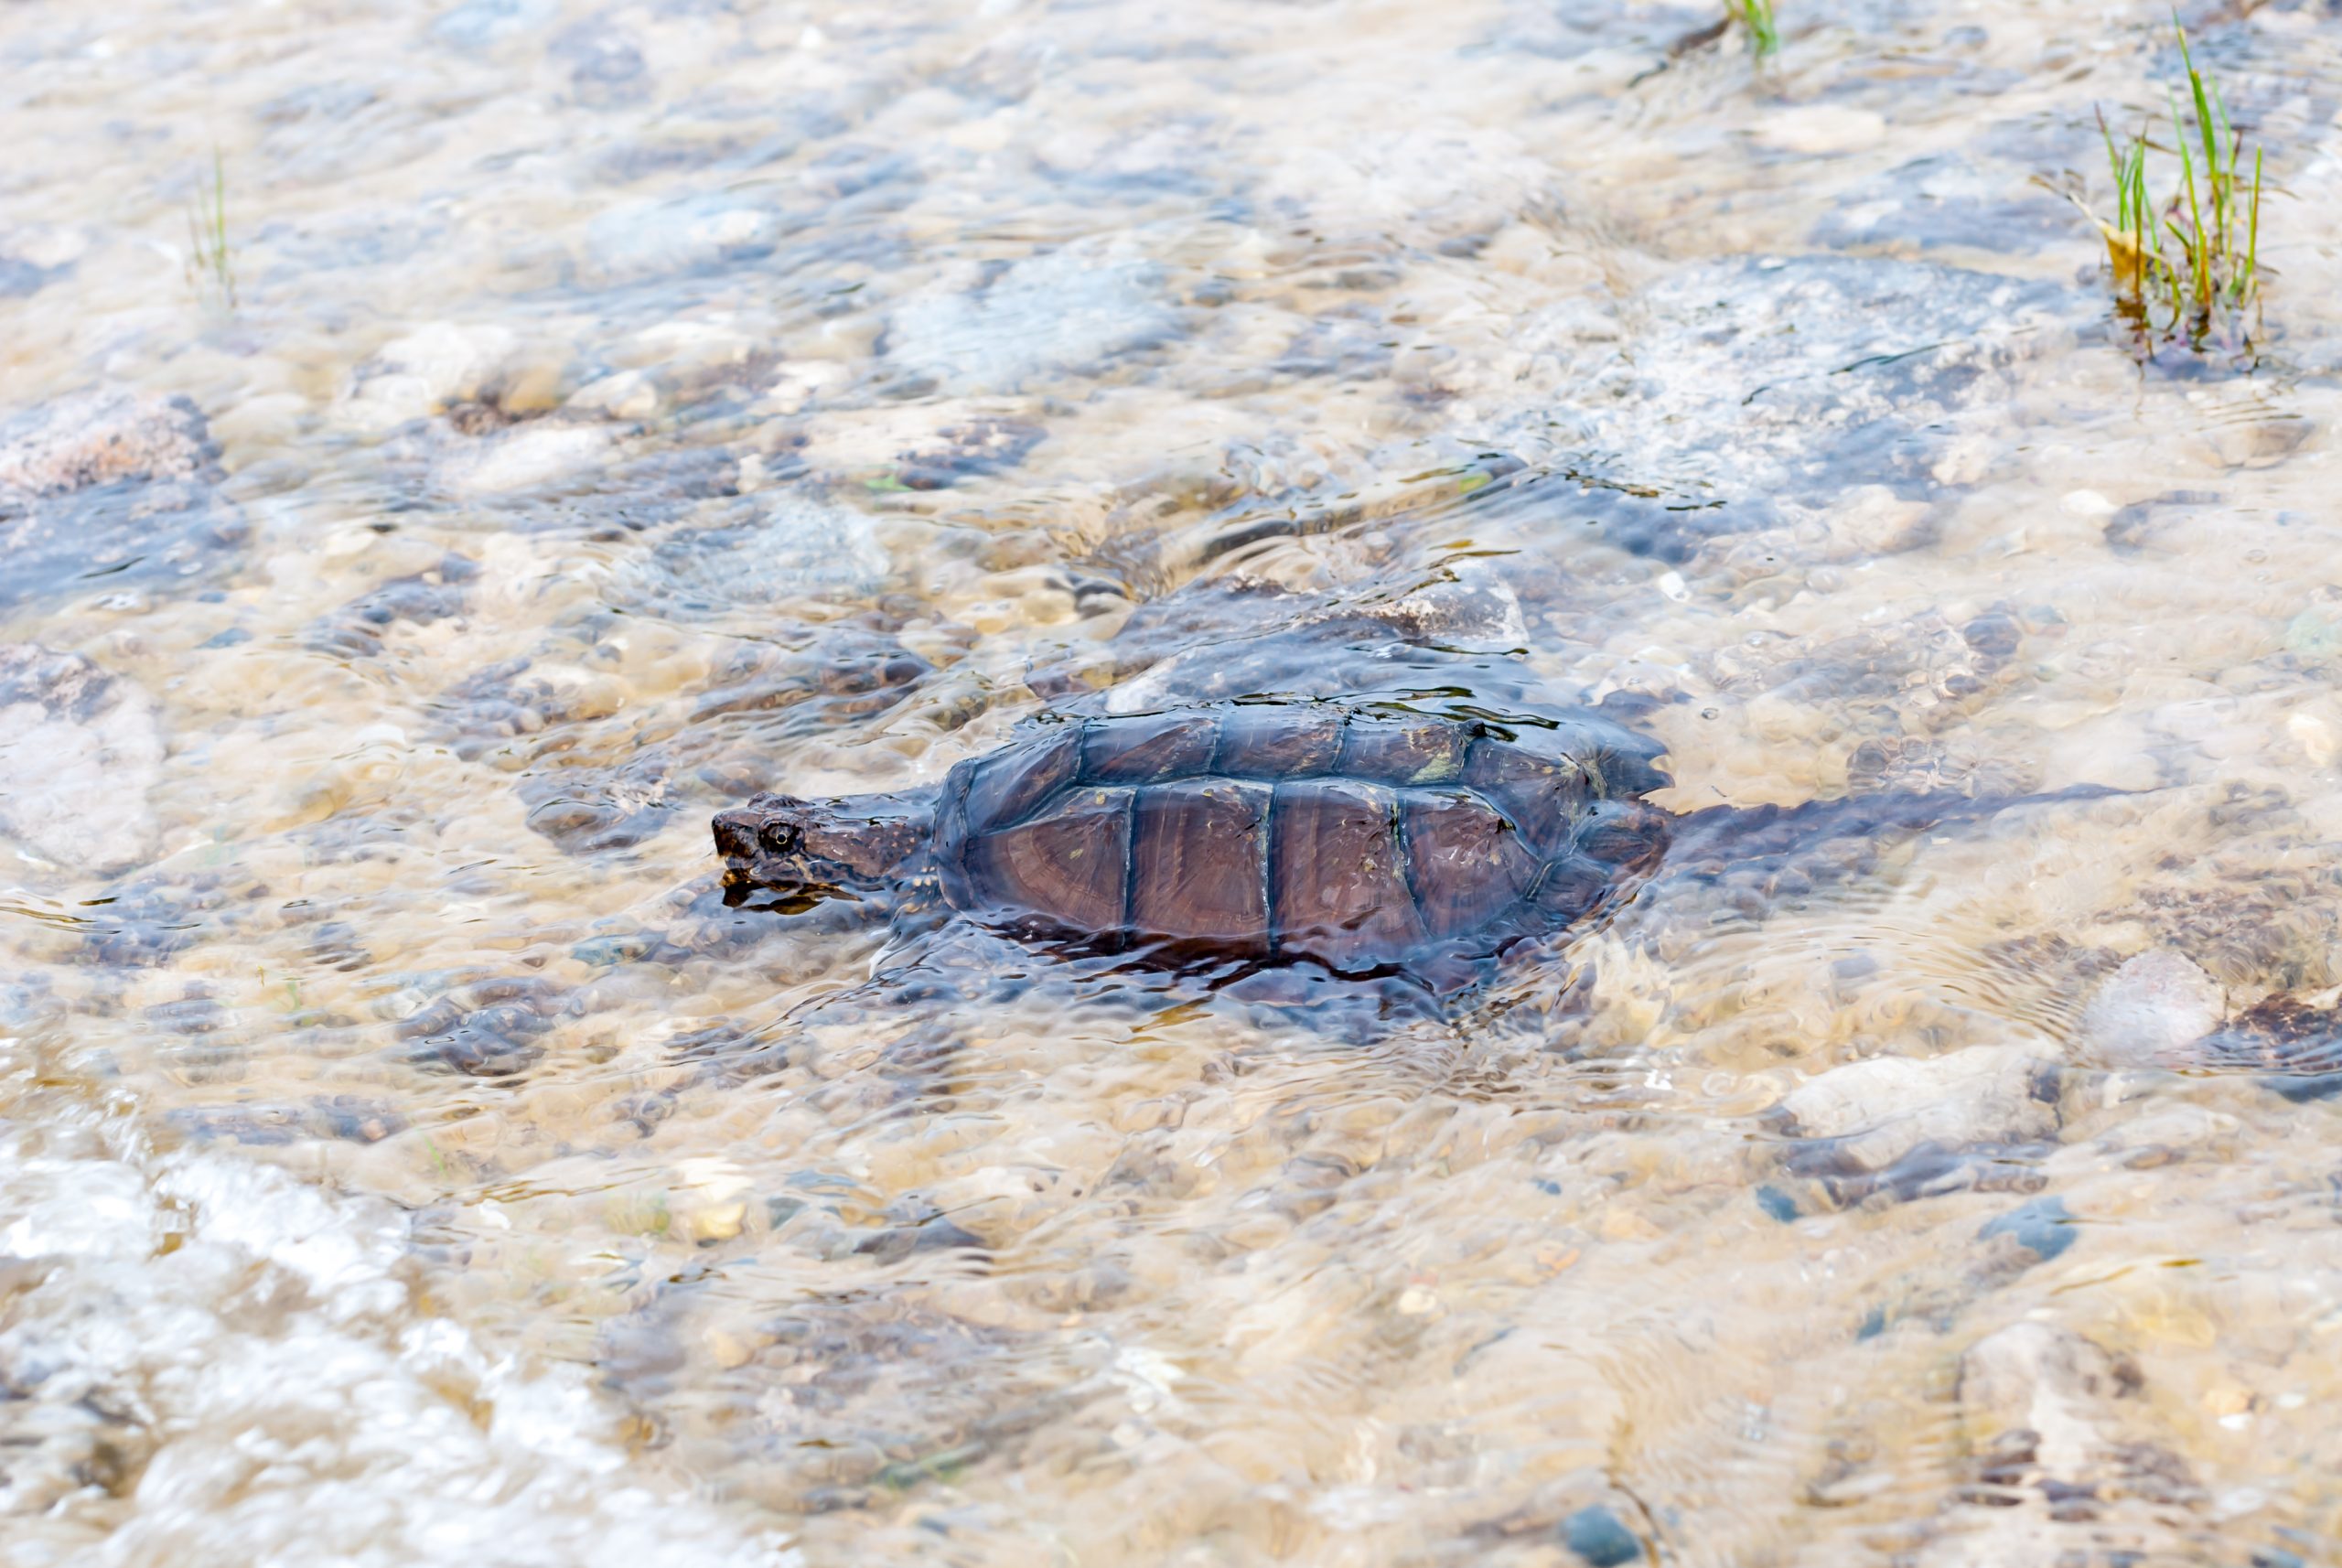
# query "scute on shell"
(1360, 839)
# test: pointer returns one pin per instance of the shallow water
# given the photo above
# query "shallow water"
(601, 415)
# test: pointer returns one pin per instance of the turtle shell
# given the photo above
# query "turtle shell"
(1353, 837)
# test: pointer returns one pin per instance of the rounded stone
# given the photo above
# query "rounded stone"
(2149, 1010)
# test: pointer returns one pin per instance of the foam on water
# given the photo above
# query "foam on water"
(211, 1361)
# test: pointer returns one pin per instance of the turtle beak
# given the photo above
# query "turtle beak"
(737, 838)
(735, 841)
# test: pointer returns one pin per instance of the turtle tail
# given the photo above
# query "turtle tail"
(1818, 833)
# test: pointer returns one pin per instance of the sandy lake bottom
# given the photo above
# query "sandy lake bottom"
(448, 455)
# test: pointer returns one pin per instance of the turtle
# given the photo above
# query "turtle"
(1363, 839)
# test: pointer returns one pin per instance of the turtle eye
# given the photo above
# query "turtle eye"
(779, 838)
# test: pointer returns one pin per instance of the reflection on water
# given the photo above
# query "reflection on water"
(622, 411)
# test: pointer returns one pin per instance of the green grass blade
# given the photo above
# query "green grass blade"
(2252, 245)
(2192, 240)
(2205, 130)
(2114, 162)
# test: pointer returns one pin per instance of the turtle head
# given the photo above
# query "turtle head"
(812, 849)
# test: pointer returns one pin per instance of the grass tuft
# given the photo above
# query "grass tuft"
(2186, 269)
(211, 264)
(1755, 16)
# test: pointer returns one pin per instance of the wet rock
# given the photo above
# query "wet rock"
(784, 547)
(2149, 524)
(336, 944)
(541, 454)
(1874, 686)
(2150, 1011)
(846, 675)
(1524, 27)
(487, 1029)
(613, 949)
(2292, 1042)
(347, 1118)
(729, 1052)
(2062, 1465)
(1946, 201)
(1974, 1119)
(1779, 379)
(146, 921)
(95, 439)
(1070, 310)
(2250, 913)
(914, 449)
(591, 810)
(681, 235)
(1600, 1539)
(1349, 344)
(1236, 636)
(896, 1243)
(198, 1036)
(80, 751)
(516, 699)
(2050, 1382)
(477, 24)
(2040, 1230)
(20, 278)
(606, 68)
(567, 479)
(1923, 766)
(357, 630)
(108, 487)
(426, 371)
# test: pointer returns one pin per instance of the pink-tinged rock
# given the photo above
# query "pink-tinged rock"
(2147, 1013)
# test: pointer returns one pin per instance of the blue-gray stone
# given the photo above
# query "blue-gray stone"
(2043, 1227)
(1599, 1539)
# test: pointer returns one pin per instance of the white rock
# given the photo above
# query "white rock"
(1885, 1108)
(624, 394)
(679, 234)
(423, 373)
(2149, 1010)
(689, 346)
(532, 455)
(1871, 519)
(1820, 128)
(80, 751)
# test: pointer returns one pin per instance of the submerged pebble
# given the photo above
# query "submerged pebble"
(683, 234)
(80, 751)
(1981, 1117)
(424, 371)
(1067, 310)
(782, 547)
(2149, 1010)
